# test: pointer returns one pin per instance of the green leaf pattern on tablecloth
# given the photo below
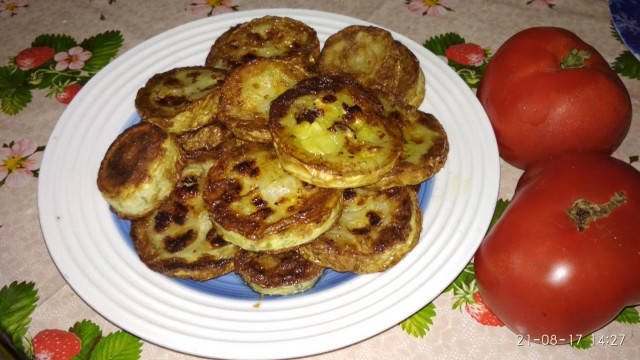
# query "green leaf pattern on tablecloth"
(625, 64)
(73, 64)
(629, 315)
(471, 74)
(17, 303)
(103, 47)
(19, 300)
(418, 324)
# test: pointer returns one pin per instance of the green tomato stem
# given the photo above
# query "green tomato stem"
(575, 59)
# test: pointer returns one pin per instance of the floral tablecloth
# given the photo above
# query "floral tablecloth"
(37, 82)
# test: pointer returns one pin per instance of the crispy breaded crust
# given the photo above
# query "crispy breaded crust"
(332, 132)
(178, 238)
(139, 170)
(256, 205)
(247, 93)
(181, 99)
(277, 274)
(376, 230)
(266, 37)
(425, 147)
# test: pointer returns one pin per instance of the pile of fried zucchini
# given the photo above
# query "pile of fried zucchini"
(277, 159)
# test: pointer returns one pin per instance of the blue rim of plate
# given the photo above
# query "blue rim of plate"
(231, 286)
(626, 19)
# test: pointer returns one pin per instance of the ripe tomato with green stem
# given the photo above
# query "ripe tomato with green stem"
(563, 260)
(546, 91)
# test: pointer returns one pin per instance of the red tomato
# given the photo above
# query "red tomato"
(538, 108)
(545, 276)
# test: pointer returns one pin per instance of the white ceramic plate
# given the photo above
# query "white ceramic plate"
(95, 257)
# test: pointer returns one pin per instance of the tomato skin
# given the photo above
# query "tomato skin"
(539, 274)
(538, 109)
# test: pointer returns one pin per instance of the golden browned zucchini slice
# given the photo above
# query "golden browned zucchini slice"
(247, 93)
(266, 37)
(425, 147)
(371, 55)
(205, 140)
(181, 99)
(258, 206)
(376, 230)
(139, 170)
(411, 86)
(284, 273)
(366, 53)
(331, 132)
(178, 238)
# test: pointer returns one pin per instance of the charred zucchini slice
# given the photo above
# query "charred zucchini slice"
(181, 99)
(139, 170)
(411, 86)
(374, 58)
(271, 37)
(425, 145)
(247, 93)
(332, 132)
(284, 273)
(258, 206)
(375, 231)
(178, 238)
(365, 53)
(207, 141)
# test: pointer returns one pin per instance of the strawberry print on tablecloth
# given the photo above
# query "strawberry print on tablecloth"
(55, 344)
(57, 64)
(468, 60)
(83, 340)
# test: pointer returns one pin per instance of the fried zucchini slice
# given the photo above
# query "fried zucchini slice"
(258, 206)
(284, 273)
(366, 53)
(139, 170)
(372, 56)
(247, 93)
(265, 37)
(178, 239)
(332, 132)
(181, 99)
(411, 86)
(205, 140)
(375, 231)
(425, 147)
